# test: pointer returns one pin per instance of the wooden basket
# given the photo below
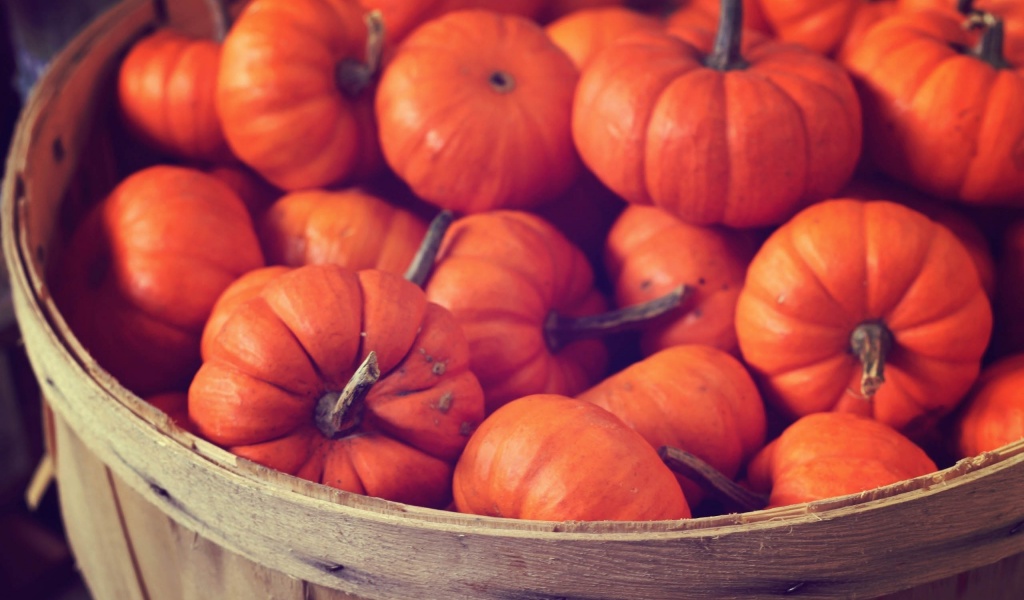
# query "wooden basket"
(153, 512)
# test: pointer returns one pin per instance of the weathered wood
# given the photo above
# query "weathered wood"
(142, 497)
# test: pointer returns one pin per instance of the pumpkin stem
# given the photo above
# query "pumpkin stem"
(338, 413)
(725, 56)
(560, 330)
(422, 263)
(352, 76)
(990, 46)
(221, 19)
(711, 479)
(870, 342)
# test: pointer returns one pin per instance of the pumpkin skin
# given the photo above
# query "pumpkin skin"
(693, 397)
(165, 90)
(474, 113)
(867, 15)
(820, 25)
(844, 266)
(993, 414)
(143, 270)
(402, 17)
(351, 228)
(826, 455)
(936, 117)
(280, 104)
(502, 274)
(717, 146)
(583, 33)
(648, 252)
(552, 458)
(1010, 11)
(257, 193)
(298, 338)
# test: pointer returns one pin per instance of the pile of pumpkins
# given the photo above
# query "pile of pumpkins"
(570, 259)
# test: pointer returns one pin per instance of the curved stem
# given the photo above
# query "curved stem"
(726, 56)
(870, 342)
(338, 413)
(353, 76)
(711, 479)
(221, 19)
(560, 330)
(422, 263)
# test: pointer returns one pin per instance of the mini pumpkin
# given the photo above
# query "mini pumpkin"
(295, 91)
(827, 455)
(993, 414)
(716, 135)
(690, 397)
(402, 17)
(144, 269)
(583, 33)
(525, 462)
(864, 307)
(820, 25)
(474, 112)
(347, 378)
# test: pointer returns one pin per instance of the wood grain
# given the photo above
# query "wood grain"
(143, 498)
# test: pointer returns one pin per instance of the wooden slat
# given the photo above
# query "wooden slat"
(92, 519)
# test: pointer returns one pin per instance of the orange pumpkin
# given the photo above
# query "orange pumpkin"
(827, 455)
(473, 111)
(993, 414)
(868, 13)
(143, 270)
(719, 136)
(510, 278)
(695, 398)
(402, 17)
(352, 228)
(1011, 12)
(865, 307)
(525, 462)
(351, 379)
(165, 91)
(648, 252)
(583, 33)
(820, 25)
(942, 112)
(294, 91)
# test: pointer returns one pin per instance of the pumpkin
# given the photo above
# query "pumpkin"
(941, 112)
(864, 307)
(826, 455)
(165, 92)
(347, 378)
(957, 221)
(352, 228)
(402, 17)
(511, 279)
(143, 270)
(294, 91)
(648, 252)
(1011, 12)
(552, 458)
(691, 397)
(820, 25)
(705, 14)
(583, 33)
(993, 414)
(868, 13)
(473, 112)
(717, 136)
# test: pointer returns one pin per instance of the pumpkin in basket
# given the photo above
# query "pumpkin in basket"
(347, 378)
(294, 92)
(942, 107)
(648, 252)
(352, 228)
(690, 397)
(716, 135)
(165, 92)
(553, 458)
(402, 17)
(474, 112)
(583, 33)
(993, 414)
(143, 270)
(820, 25)
(826, 455)
(864, 307)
